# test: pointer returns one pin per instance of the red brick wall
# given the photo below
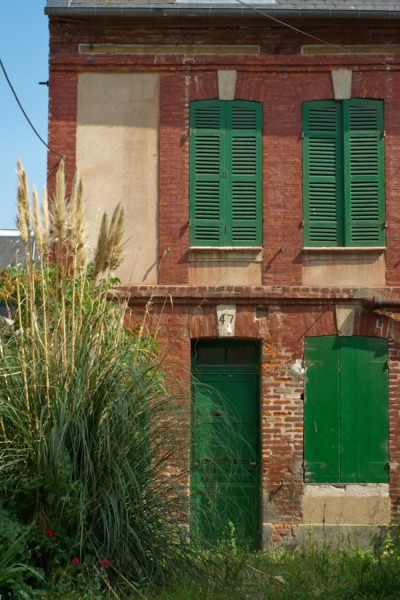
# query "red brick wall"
(62, 124)
(174, 177)
(281, 330)
(394, 419)
(282, 80)
(280, 77)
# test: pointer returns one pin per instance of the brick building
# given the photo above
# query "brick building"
(256, 148)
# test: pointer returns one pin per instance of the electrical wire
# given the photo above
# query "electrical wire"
(24, 112)
(343, 49)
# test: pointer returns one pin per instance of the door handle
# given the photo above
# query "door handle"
(215, 413)
(252, 466)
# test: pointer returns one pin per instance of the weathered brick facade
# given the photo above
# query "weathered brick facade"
(280, 310)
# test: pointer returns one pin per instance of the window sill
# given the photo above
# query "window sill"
(344, 249)
(230, 248)
(225, 254)
(348, 489)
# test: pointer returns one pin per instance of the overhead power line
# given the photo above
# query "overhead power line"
(24, 112)
(265, 14)
(343, 49)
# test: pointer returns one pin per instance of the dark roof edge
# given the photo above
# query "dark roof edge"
(228, 11)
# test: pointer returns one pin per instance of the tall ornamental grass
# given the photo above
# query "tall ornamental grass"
(87, 431)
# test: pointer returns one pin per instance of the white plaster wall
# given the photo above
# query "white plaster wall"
(225, 266)
(367, 504)
(344, 267)
(117, 158)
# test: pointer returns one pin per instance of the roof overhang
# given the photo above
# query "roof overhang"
(232, 8)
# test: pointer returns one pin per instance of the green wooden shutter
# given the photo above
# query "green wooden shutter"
(322, 181)
(322, 410)
(364, 172)
(207, 164)
(364, 410)
(346, 410)
(225, 173)
(244, 189)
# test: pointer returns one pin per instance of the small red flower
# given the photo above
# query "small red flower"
(75, 561)
(50, 533)
(105, 563)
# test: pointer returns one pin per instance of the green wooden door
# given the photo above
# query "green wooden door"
(225, 443)
(346, 410)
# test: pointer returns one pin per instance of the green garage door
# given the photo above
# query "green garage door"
(225, 462)
(346, 410)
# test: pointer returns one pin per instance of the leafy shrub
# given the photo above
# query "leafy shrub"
(87, 431)
(15, 572)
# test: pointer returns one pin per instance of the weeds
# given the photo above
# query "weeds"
(15, 572)
(309, 574)
(87, 429)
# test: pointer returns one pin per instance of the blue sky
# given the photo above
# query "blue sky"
(24, 43)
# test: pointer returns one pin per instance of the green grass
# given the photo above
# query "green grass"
(308, 574)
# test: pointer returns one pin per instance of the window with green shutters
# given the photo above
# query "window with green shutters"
(225, 173)
(343, 173)
(346, 410)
